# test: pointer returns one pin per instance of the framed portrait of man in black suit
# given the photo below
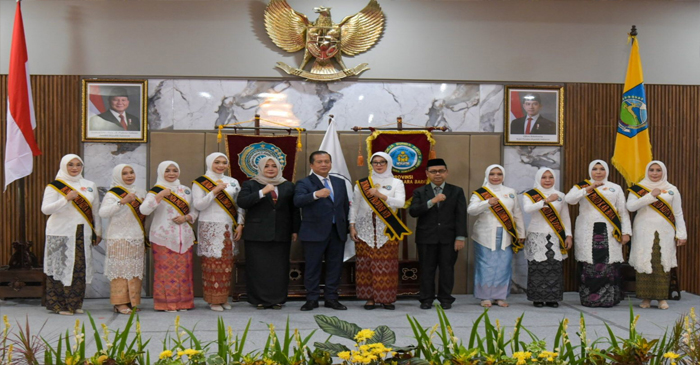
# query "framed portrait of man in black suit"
(114, 110)
(535, 115)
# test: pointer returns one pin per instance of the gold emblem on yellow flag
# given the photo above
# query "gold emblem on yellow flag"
(323, 40)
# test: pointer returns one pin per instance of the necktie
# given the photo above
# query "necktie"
(122, 121)
(529, 121)
(274, 197)
(438, 190)
(328, 186)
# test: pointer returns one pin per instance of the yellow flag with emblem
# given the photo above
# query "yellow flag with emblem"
(632, 146)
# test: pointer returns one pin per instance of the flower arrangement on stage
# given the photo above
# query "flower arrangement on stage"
(488, 343)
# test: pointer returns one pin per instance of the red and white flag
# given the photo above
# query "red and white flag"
(21, 145)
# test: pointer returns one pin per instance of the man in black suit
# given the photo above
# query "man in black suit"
(533, 123)
(324, 205)
(441, 209)
(116, 118)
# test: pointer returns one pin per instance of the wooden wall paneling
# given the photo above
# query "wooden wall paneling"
(58, 115)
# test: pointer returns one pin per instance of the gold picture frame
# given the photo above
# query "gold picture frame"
(534, 115)
(114, 110)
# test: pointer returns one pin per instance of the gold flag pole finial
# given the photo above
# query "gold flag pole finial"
(632, 34)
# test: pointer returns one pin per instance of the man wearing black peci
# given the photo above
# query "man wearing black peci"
(441, 209)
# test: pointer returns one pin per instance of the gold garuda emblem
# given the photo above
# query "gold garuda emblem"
(323, 40)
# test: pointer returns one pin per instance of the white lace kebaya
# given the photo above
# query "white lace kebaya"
(539, 229)
(164, 232)
(64, 218)
(648, 221)
(124, 236)
(589, 215)
(214, 221)
(370, 229)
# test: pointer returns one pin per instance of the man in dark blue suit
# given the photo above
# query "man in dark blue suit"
(324, 229)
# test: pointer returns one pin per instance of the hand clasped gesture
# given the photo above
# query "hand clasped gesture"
(552, 198)
(323, 193)
(163, 193)
(493, 201)
(439, 198)
(220, 185)
(270, 188)
(72, 195)
(595, 185)
(180, 219)
(128, 198)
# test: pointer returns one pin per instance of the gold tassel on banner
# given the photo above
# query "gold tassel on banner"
(432, 155)
(218, 135)
(360, 158)
(299, 145)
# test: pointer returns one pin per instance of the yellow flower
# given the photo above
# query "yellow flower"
(180, 353)
(9, 354)
(345, 355)
(70, 361)
(671, 355)
(177, 323)
(548, 355)
(101, 359)
(522, 357)
(191, 352)
(7, 325)
(165, 354)
(364, 348)
(138, 328)
(364, 335)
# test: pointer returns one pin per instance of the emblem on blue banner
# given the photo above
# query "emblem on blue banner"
(405, 156)
(249, 157)
(633, 112)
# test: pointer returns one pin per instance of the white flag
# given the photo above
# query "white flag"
(331, 144)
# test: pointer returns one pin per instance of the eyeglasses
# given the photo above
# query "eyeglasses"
(378, 163)
(435, 172)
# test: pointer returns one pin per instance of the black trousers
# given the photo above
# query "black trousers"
(432, 257)
(331, 249)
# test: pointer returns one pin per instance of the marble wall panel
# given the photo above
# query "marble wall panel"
(187, 104)
(100, 159)
(521, 164)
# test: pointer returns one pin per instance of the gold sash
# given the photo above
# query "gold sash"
(605, 208)
(222, 198)
(502, 214)
(395, 228)
(660, 206)
(121, 192)
(551, 215)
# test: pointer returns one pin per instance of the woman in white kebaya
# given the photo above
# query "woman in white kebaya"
(658, 228)
(72, 204)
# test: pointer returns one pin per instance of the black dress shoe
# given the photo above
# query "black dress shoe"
(369, 306)
(425, 306)
(552, 304)
(390, 307)
(446, 306)
(334, 304)
(309, 305)
(538, 304)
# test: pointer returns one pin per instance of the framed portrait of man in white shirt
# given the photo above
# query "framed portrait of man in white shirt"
(535, 115)
(114, 110)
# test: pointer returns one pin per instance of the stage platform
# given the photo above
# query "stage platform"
(543, 322)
